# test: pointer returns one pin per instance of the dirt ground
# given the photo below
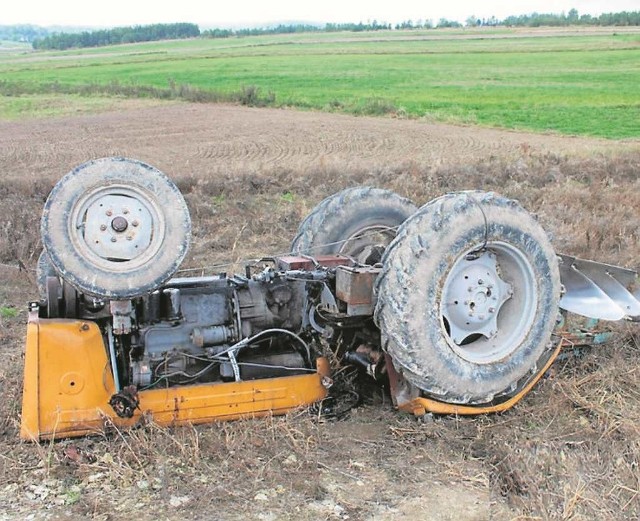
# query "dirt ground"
(206, 140)
(570, 451)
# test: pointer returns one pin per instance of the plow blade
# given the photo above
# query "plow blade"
(597, 290)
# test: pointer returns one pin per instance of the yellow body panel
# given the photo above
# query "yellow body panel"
(68, 384)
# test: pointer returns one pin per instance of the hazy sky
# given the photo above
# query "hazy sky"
(256, 12)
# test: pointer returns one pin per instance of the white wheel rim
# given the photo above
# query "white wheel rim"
(116, 227)
(489, 302)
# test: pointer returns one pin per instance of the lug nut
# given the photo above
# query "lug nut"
(492, 310)
(103, 227)
(135, 223)
(113, 239)
(125, 211)
(109, 213)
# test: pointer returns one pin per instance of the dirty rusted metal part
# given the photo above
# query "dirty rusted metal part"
(369, 358)
(121, 311)
(354, 286)
(125, 403)
(293, 262)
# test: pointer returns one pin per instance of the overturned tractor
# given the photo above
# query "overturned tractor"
(459, 305)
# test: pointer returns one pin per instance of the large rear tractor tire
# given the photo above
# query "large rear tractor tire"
(468, 298)
(115, 228)
(357, 222)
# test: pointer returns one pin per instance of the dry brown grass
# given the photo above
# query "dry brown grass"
(570, 451)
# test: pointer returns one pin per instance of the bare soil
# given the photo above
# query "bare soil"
(206, 140)
(569, 451)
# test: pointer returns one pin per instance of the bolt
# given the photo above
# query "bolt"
(480, 281)
(109, 213)
(125, 211)
(135, 223)
(492, 310)
(84, 327)
(113, 239)
(103, 227)
(119, 224)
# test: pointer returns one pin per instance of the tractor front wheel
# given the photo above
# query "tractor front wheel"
(115, 228)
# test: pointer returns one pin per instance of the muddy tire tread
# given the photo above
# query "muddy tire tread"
(324, 225)
(443, 376)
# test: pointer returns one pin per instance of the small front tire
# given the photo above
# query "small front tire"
(115, 228)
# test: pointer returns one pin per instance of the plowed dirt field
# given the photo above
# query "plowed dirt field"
(184, 138)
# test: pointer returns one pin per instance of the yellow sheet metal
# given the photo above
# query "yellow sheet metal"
(68, 384)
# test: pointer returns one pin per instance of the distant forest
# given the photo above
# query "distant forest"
(43, 38)
(139, 33)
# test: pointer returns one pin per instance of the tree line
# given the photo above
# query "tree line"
(42, 39)
(625, 18)
(138, 33)
(572, 18)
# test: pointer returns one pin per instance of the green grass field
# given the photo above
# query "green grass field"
(583, 83)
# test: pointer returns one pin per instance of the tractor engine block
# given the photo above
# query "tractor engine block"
(184, 325)
(225, 328)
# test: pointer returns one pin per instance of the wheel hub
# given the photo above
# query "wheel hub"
(117, 227)
(473, 295)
